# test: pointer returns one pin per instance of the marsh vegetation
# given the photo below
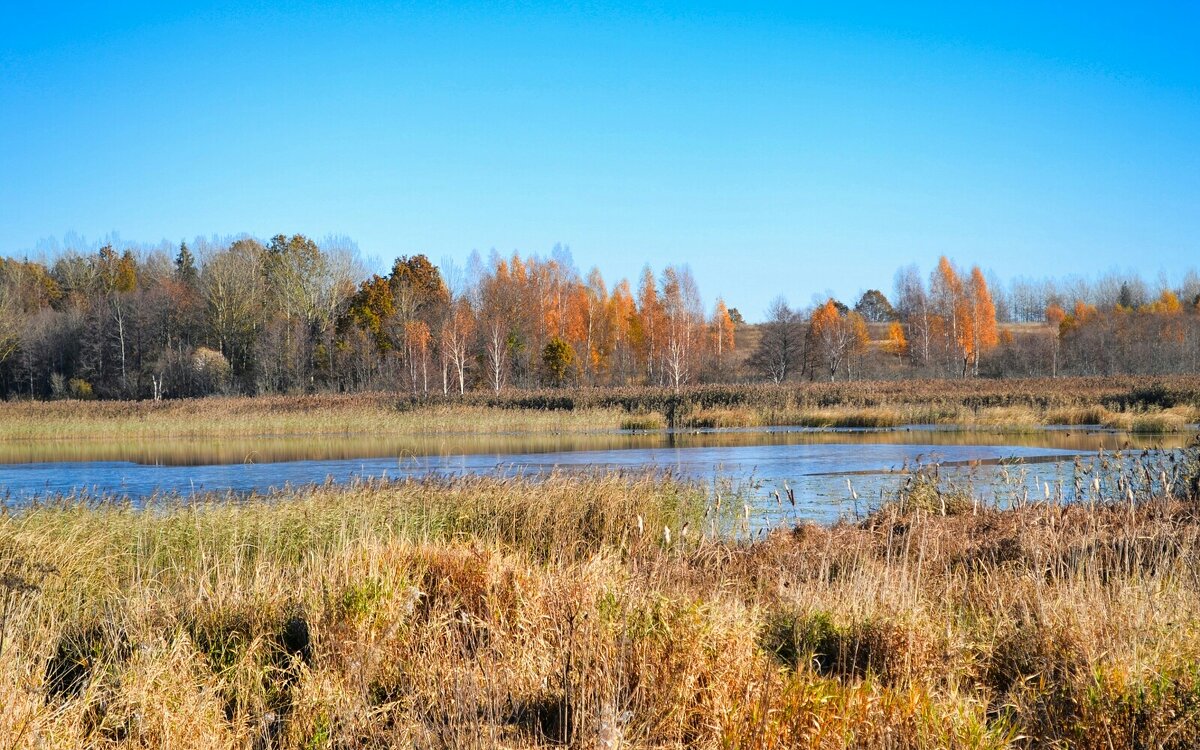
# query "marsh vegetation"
(1164, 405)
(605, 611)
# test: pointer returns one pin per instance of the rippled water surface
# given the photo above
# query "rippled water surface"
(827, 469)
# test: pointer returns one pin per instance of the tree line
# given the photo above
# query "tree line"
(288, 315)
(957, 323)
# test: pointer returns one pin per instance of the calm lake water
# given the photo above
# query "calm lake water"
(826, 468)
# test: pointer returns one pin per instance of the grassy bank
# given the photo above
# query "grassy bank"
(326, 414)
(507, 613)
(1152, 420)
(1162, 405)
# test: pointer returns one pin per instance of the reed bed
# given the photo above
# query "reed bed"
(1168, 404)
(327, 414)
(604, 611)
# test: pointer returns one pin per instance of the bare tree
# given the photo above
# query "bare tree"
(234, 291)
(456, 338)
(780, 350)
(913, 307)
(684, 316)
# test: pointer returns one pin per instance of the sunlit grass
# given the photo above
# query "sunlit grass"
(603, 611)
(1166, 404)
(284, 415)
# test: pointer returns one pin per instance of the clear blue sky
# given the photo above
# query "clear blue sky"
(777, 149)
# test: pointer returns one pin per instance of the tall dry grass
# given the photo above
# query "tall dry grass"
(602, 612)
(1165, 405)
(327, 414)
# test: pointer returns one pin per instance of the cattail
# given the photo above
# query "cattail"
(641, 525)
(667, 535)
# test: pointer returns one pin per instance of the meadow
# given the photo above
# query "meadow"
(1167, 404)
(605, 611)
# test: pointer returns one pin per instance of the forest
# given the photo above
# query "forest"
(291, 315)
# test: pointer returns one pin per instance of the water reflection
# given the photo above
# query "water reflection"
(212, 451)
(832, 472)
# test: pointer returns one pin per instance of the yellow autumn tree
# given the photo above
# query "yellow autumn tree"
(1166, 304)
(982, 318)
(722, 332)
(624, 333)
(1056, 317)
(416, 350)
(838, 337)
(599, 340)
(952, 311)
(897, 342)
(650, 328)
(1169, 310)
(965, 316)
(580, 327)
(1084, 312)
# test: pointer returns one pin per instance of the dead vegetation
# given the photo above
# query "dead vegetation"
(1168, 404)
(593, 612)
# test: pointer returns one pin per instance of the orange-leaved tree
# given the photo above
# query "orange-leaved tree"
(982, 317)
(897, 342)
(838, 336)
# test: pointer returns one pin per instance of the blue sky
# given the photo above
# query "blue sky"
(793, 149)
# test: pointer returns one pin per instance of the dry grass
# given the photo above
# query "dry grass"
(1165, 405)
(512, 613)
(285, 415)
(643, 421)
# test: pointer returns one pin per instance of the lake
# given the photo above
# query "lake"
(827, 469)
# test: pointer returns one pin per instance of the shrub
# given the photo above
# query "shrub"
(78, 388)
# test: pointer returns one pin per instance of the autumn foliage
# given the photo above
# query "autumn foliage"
(291, 315)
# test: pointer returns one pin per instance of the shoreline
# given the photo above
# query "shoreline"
(934, 621)
(1158, 406)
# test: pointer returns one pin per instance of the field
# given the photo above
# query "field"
(1161, 405)
(605, 611)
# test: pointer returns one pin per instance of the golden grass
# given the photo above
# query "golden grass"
(870, 418)
(643, 421)
(1167, 404)
(1080, 415)
(284, 415)
(997, 418)
(578, 611)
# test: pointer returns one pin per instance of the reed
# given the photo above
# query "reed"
(1169, 403)
(603, 611)
(377, 414)
(643, 422)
